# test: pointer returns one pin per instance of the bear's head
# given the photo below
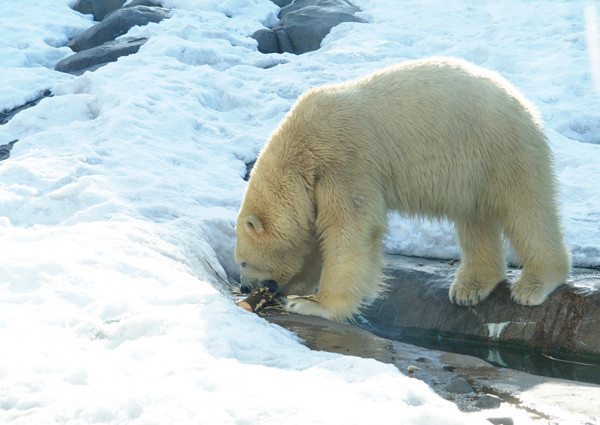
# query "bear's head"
(266, 257)
(275, 228)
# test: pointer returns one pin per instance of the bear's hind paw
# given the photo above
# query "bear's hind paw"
(469, 293)
(529, 293)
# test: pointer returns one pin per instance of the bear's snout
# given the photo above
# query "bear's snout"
(248, 286)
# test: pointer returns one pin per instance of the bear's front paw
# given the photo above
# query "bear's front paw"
(469, 293)
(309, 306)
(529, 293)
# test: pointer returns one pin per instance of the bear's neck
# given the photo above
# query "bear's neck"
(290, 155)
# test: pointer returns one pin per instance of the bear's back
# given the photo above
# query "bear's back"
(452, 133)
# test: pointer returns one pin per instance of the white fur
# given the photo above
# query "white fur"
(435, 138)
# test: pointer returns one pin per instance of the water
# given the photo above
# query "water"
(524, 359)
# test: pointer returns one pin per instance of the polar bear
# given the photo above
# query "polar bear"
(437, 138)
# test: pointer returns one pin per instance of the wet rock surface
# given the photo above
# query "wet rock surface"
(509, 396)
(566, 326)
(488, 401)
(459, 386)
(303, 24)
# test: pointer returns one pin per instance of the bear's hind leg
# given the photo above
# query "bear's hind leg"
(538, 241)
(482, 264)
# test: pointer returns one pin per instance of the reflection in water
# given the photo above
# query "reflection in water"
(554, 365)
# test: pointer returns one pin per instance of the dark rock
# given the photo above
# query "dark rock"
(100, 55)
(307, 22)
(304, 23)
(7, 115)
(459, 385)
(5, 150)
(501, 421)
(116, 24)
(565, 326)
(449, 368)
(282, 3)
(338, 6)
(98, 8)
(249, 167)
(283, 41)
(151, 3)
(488, 401)
(267, 41)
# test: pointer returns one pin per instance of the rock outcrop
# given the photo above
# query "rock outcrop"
(110, 51)
(565, 326)
(303, 24)
(97, 45)
(98, 8)
(115, 24)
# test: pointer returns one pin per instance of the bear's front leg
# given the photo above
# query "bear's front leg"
(305, 282)
(351, 274)
(342, 289)
(351, 219)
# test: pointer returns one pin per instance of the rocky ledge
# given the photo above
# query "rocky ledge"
(565, 327)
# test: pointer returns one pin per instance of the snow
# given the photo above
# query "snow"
(118, 203)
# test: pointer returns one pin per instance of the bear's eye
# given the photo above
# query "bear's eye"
(243, 265)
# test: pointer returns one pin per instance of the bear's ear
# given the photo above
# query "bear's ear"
(253, 224)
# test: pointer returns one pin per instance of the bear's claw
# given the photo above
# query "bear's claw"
(469, 293)
(308, 306)
(529, 293)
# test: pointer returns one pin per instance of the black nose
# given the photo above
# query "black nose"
(271, 285)
(245, 288)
